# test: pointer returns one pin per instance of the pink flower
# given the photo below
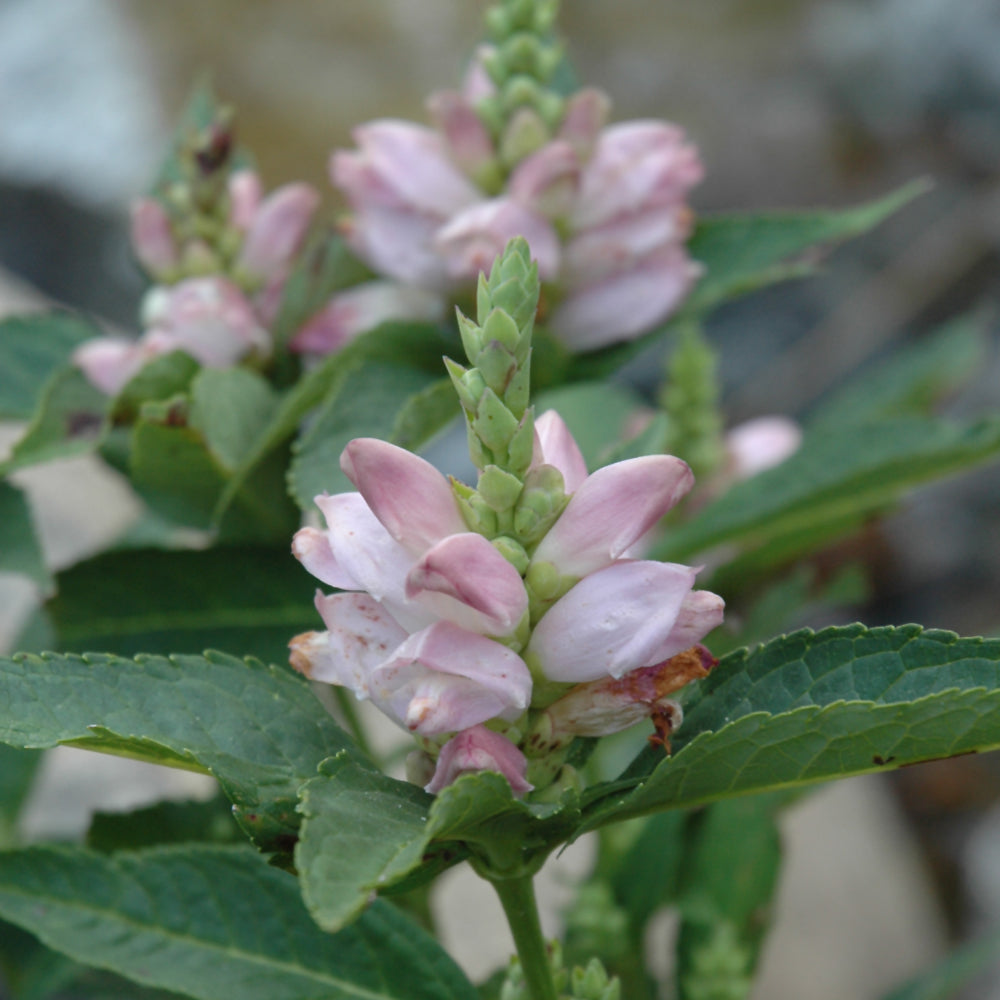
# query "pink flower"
(152, 237)
(208, 318)
(480, 749)
(435, 595)
(759, 444)
(362, 308)
(604, 210)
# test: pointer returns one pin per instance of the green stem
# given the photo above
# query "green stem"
(517, 896)
(346, 704)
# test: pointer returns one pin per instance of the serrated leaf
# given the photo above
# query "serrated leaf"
(836, 475)
(70, 420)
(911, 380)
(240, 599)
(20, 550)
(33, 348)
(364, 832)
(361, 831)
(747, 252)
(217, 924)
(808, 707)
(366, 405)
(259, 730)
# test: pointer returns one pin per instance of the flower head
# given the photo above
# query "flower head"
(604, 208)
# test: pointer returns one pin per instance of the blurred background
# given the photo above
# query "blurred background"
(794, 103)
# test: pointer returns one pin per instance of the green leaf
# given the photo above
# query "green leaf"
(945, 978)
(176, 470)
(742, 253)
(259, 730)
(17, 772)
(745, 253)
(730, 872)
(165, 823)
(20, 550)
(424, 414)
(837, 476)
(70, 420)
(911, 380)
(362, 831)
(240, 599)
(217, 924)
(367, 404)
(808, 707)
(418, 345)
(231, 408)
(161, 378)
(33, 349)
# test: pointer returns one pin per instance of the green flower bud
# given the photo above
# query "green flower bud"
(541, 503)
(521, 448)
(513, 551)
(469, 384)
(501, 327)
(525, 133)
(498, 366)
(544, 580)
(493, 424)
(472, 336)
(475, 511)
(592, 983)
(517, 397)
(499, 489)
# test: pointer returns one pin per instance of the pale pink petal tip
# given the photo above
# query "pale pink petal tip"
(480, 749)
(555, 445)
(759, 444)
(109, 362)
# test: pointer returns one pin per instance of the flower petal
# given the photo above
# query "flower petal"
(554, 445)
(613, 508)
(445, 678)
(611, 622)
(626, 304)
(465, 580)
(406, 493)
(278, 229)
(759, 444)
(480, 749)
(361, 636)
(700, 612)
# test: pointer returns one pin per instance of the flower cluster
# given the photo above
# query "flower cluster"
(499, 623)
(602, 207)
(219, 253)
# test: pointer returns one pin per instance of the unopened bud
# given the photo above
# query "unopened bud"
(526, 130)
(513, 551)
(498, 488)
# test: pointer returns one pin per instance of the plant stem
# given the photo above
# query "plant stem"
(517, 896)
(352, 721)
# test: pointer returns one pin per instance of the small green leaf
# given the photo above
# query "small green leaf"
(162, 377)
(238, 599)
(216, 924)
(836, 476)
(361, 832)
(33, 349)
(808, 707)
(17, 772)
(259, 730)
(20, 550)
(71, 419)
(367, 405)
